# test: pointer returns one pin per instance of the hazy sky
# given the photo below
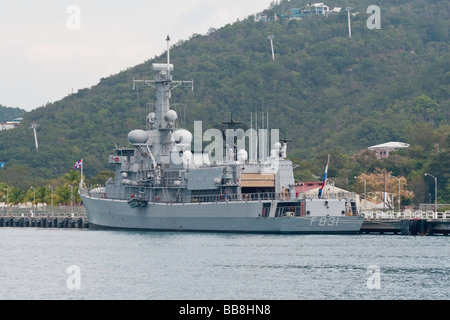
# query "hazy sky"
(50, 47)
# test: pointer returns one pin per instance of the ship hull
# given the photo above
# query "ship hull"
(237, 217)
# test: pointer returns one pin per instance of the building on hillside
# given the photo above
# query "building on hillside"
(382, 150)
(260, 17)
(336, 10)
(320, 8)
(10, 124)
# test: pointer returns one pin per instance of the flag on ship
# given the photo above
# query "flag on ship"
(324, 178)
(78, 165)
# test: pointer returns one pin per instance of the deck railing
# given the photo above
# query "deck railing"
(406, 214)
(202, 198)
(196, 198)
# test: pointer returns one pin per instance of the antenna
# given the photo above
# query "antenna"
(34, 126)
(349, 23)
(267, 119)
(168, 53)
(271, 45)
(231, 124)
(250, 147)
(164, 85)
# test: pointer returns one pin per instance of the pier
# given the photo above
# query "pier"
(426, 223)
(44, 222)
(406, 223)
(57, 217)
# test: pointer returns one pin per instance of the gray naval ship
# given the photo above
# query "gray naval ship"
(160, 184)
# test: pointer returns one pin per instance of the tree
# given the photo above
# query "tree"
(16, 195)
(64, 194)
(382, 181)
(72, 177)
(17, 176)
(41, 195)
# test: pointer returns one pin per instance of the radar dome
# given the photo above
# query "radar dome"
(171, 115)
(242, 156)
(151, 117)
(187, 157)
(137, 137)
(182, 137)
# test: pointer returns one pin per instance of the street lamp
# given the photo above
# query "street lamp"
(52, 198)
(365, 192)
(71, 197)
(34, 197)
(398, 191)
(7, 200)
(435, 190)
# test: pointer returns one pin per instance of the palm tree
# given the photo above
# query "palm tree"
(64, 194)
(41, 194)
(16, 195)
(72, 177)
(3, 192)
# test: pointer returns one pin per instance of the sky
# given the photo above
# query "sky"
(51, 48)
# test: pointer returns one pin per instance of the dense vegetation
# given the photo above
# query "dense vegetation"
(326, 92)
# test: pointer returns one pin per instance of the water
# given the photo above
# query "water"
(88, 264)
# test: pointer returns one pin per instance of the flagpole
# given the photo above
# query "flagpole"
(81, 179)
(326, 174)
(321, 190)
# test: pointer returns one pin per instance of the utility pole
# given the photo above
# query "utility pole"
(271, 45)
(34, 126)
(349, 23)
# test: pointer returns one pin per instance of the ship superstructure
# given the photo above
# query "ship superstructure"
(161, 184)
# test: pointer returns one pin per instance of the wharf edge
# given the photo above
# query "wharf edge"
(426, 227)
(45, 222)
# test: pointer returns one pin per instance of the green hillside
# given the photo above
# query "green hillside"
(324, 91)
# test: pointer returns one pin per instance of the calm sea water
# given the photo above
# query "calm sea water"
(88, 264)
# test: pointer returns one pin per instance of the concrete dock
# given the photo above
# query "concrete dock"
(44, 222)
(407, 222)
(406, 226)
(372, 225)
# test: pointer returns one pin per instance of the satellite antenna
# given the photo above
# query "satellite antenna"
(271, 45)
(349, 22)
(34, 126)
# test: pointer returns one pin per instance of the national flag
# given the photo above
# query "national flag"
(324, 178)
(78, 165)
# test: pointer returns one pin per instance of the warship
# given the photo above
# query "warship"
(160, 184)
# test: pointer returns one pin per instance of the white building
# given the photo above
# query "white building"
(320, 8)
(10, 124)
(382, 150)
